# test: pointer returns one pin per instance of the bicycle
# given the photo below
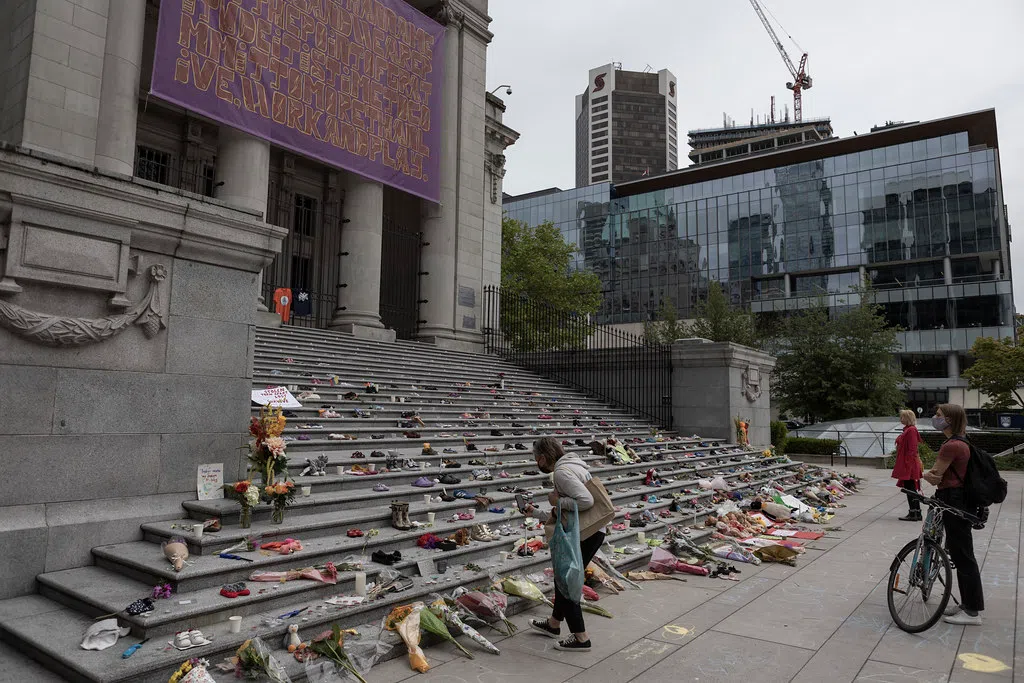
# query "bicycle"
(929, 564)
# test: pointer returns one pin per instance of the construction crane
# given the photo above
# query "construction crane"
(801, 81)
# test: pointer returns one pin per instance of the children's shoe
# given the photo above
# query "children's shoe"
(571, 644)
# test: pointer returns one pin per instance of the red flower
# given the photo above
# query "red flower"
(241, 487)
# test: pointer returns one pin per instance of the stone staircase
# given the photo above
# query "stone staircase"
(442, 387)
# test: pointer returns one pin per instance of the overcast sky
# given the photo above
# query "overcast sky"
(871, 60)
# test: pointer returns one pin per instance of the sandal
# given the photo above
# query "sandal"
(381, 487)
(355, 533)
(465, 516)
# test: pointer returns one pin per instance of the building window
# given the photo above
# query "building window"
(599, 178)
(300, 273)
(601, 126)
(601, 159)
(305, 215)
(600, 134)
(602, 98)
(152, 165)
(599, 169)
(600, 108)
(601, 117)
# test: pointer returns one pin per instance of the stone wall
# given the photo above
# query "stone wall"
(714, 383)
(96, 438)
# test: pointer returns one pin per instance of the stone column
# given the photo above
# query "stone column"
(440, 220)
(787, 285)
(714, 383)
(119, 93)
(947, 270)
(242, 179)
(953, 365)
(358, 309)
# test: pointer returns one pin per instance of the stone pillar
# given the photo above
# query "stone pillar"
(358, 309)
(787, 285)
(953, 365)
(947, 270)
(440, 220)
(997, 269)
(243, 180)
(714, 383)
(119, 93)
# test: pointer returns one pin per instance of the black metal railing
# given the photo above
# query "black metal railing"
(608, 363)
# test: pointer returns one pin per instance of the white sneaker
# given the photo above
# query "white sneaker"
(963, 619)
(952, 608)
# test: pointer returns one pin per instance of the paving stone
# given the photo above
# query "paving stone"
(883, 672)
(723, 658)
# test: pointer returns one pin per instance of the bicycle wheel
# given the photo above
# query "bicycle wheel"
(918, 592)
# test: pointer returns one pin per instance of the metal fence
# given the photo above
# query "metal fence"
(609, 364)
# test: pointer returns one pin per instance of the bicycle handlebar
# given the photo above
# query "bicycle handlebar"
(945, 507)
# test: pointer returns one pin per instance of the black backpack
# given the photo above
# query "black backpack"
(982, 484)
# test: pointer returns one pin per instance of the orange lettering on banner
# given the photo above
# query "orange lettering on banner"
(350, 73)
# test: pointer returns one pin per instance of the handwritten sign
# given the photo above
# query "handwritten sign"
(210, 481)
(353, 83)
(278, 397)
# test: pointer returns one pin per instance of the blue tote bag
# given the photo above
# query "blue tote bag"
(566, 556)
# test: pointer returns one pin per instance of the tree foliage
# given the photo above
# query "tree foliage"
(666, 326)
(718, 321)
(545, 304)
(998, 372)
(839, 366)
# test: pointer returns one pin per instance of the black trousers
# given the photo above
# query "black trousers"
(565, 608)
(911, 487)
(960, 546)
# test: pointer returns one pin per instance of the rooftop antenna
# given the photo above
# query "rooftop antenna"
(648, 69)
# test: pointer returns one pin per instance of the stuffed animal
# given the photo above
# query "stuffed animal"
(291, 638)
(176, 550)
(315, 468)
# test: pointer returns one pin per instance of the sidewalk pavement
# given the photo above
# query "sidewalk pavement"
(824, 620)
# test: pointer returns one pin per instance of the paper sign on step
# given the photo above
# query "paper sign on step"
(426, 567)
(210, 481)
(279, 397)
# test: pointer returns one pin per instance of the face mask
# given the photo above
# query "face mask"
(940, 423)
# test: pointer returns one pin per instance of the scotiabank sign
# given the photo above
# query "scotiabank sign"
(353, 83)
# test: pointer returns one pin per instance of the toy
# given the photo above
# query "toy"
(315, 468)
(292, 642)
(176, 550)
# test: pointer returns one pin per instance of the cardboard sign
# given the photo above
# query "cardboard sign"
(278, 397)
(426, 567)
(210, 481)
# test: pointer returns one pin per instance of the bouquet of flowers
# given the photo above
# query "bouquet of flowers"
(267, 449)
(488, 606)
(253, 661)
(444, 611)
(430, 623)
(280, 496)
(248, 496)
(331, 644)
(406, 621)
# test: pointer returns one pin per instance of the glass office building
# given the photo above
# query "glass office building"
(915, 209)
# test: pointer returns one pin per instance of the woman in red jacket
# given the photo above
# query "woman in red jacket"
(907, 471)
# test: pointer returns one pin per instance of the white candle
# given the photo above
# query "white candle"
(430, 517)
(360, 583)
(641, 536)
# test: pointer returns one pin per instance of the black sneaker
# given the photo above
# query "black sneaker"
(570, 644)
(541, 625)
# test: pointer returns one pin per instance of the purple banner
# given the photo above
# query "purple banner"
(352, 83)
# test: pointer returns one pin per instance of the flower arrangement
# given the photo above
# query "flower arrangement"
(253, 661)
(331, 644)
(267, 449)
(280, 496)
(162, 591)
(248, 496)
(186, 668)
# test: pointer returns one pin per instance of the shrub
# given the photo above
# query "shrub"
(801, 445)
(926, 453)
(779, 433)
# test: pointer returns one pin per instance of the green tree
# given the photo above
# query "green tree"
(718, 321)
(545, 304)
(998, 372)
(666, 326)
(838, 366)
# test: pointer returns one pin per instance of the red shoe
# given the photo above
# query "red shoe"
(354, 533)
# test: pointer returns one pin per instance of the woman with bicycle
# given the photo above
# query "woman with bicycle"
(948, 476)
(907, 471)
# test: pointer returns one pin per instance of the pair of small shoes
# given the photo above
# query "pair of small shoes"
(481, 532)
(448, 545)
(233, 590)
(497, 510)
(358, 455)
(423, 482)
(381, 487)
(506, 530)
(465, 516)
(185, 640)
(619, 527)
(449, 479)
(389, 559)
(355, 533)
